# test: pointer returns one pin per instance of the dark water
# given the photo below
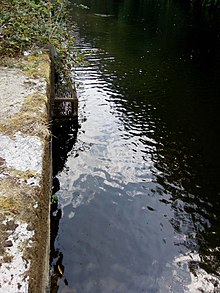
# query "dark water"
(140, 187)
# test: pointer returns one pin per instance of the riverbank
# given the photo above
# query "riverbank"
(25, 175)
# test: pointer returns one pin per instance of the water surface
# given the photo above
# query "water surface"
(139, 190)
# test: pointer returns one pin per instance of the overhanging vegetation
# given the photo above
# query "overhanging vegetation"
(28, 25)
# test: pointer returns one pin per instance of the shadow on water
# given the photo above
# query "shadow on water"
(64, 133)
(64, 137)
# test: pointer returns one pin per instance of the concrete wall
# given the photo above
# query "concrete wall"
(25, 175)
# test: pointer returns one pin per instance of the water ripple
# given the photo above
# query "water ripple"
(131, 217)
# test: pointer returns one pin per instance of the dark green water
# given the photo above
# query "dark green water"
(140, 187)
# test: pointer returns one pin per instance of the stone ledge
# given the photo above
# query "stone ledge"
(25, 175)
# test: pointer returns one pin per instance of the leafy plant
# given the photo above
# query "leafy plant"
(54, 199)
(27, 25)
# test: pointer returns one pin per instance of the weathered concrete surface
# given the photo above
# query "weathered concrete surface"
(25, 175)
